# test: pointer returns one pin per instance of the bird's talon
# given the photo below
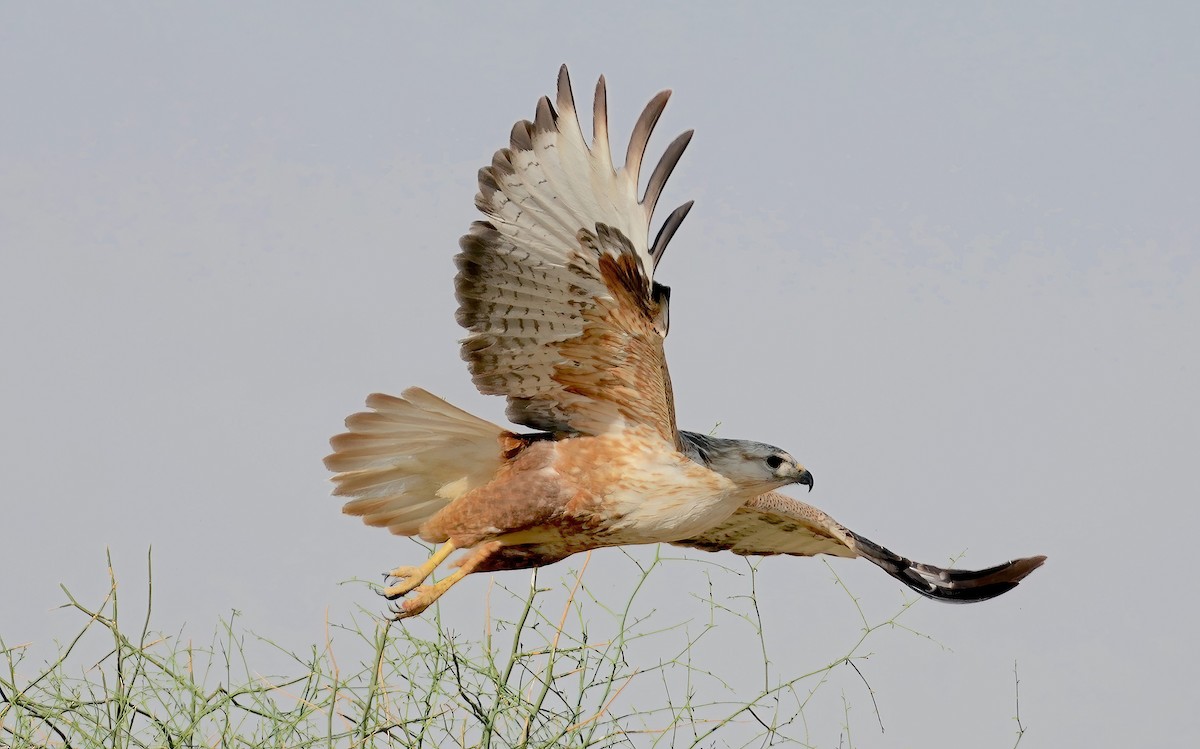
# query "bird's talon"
(395, 591)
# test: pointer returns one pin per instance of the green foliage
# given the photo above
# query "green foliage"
(534, 679)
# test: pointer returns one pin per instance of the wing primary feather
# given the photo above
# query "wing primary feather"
(669, 227)
(600, 146)
(502, 163)
(566, 99)
(949, 586)
(662, 172)
(545, 119)
(488, 187)
(642, 131)
(521, 136)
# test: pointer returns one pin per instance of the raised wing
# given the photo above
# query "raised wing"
(556, 287)
(774, 523)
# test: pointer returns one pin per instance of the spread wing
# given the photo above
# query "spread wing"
(557, 286)
(774, 523)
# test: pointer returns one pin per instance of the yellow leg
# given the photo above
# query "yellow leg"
(427, 594)
(408, 578)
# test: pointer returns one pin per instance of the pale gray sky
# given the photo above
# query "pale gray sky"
(945, 256)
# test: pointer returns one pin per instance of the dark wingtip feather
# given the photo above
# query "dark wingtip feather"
(600, 113)
(662, 172)
(643, 129)
(949, 586)
(970, 586)
(487, 188)
(521, 137)
(566, 98)
(546, 118)
(669, 227)
(502, 161)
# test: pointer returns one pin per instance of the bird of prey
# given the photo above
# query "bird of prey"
(556, 289)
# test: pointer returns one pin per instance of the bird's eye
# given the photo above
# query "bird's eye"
(774, 461)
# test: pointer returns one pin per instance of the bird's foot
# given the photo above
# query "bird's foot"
(425, 595)
(424, 598)
(402, 580)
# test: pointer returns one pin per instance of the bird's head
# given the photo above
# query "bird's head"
(749, 464)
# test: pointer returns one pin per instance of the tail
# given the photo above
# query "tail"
(409, 457)
(951, 586)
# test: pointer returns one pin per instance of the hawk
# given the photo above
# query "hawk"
(556, 290)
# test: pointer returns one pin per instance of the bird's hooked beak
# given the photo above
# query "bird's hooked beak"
(806, 478)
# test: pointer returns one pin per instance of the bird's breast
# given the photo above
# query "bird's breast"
(633, 487)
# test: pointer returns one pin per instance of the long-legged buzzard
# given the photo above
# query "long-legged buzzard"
(556, 288)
